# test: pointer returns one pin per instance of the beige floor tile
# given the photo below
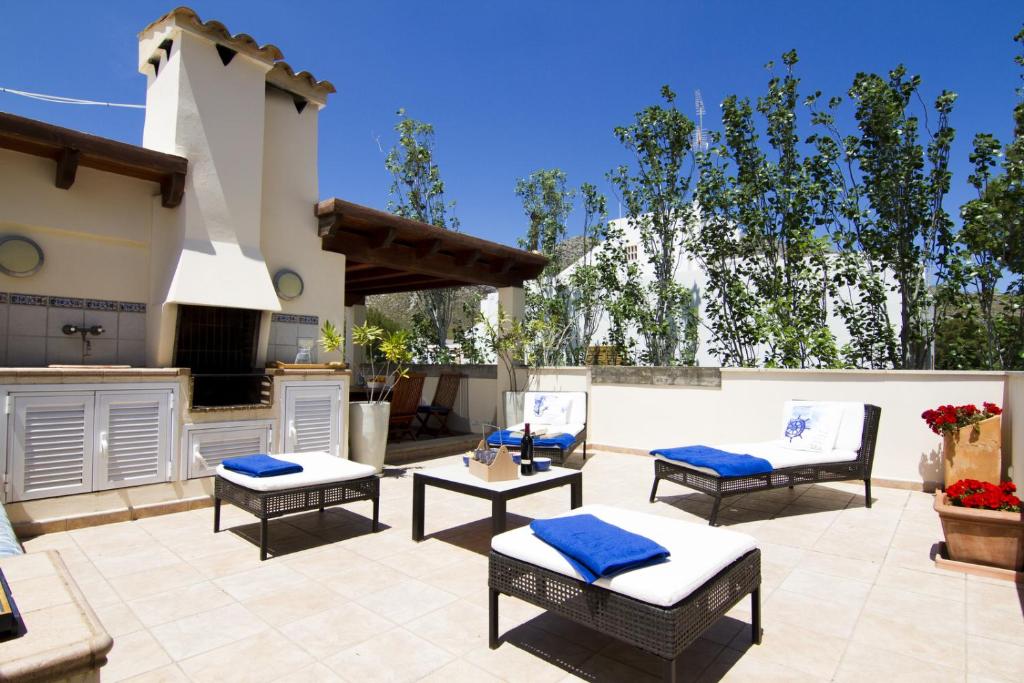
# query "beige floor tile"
(812, 612)
(285, 605)
(923, 638)
(324, 562)
(362, 579)
(529, 654)
(261, 581)
(98, 592)
(460, 671)
(843, 567)
(404, 601)
(40, 592)
(458, 627)
(144, 583)
(118, 619)
(826, 587)
(139, 558)
(165, 674)
(950, 587)
(316, 673)
(267, 656)
(865, 663)
(178, 603)
(462, 578)
(409, 658)
(228, 562)
(333, 630)
(733, 665)
(208, 630)
(994, 659)
(607, 670)
(790, 645)
(134, 654)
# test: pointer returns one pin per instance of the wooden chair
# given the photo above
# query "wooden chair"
(441, 406)
(405, 399)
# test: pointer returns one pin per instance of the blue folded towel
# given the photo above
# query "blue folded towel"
(260, 465)
(596, 548)
(725, 463)
(507, 438)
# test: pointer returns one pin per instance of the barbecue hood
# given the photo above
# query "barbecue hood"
(222, 274)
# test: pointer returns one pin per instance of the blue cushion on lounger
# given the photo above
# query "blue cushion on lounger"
(260, 465)
(724, 463)
(595, 547)
(560, 441)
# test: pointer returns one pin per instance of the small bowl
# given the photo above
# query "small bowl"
(465, 459)
(541, 464)
(517, 458)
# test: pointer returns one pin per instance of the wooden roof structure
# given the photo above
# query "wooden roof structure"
(71, 149)
(388, 253)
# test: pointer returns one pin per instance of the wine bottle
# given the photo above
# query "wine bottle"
(526, 453)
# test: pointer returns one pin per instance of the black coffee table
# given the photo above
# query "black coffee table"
(457, 478)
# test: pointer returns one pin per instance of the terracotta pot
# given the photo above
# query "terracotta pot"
(975, 453)
(984, 537)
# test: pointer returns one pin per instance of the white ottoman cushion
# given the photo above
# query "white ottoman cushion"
(698, 552)
(317, 468)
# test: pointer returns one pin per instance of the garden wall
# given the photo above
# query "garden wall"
(637, 409)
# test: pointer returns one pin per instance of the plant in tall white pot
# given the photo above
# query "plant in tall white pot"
(506, 338)
(388, 355)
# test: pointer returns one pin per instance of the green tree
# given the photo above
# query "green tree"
(903, 180)
(418, 193)
(757, 240)
(991, 250)
(657, 193)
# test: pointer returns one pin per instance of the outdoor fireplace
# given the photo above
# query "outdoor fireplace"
(219, 346)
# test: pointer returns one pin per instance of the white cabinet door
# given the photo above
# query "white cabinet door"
(312, 418)
(133, 438)
(51, 445)
(206, 447)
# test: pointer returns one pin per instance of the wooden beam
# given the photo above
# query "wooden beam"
(428, 248)
(426, 283)
(353, 266)
(172, 189)
(67, 167)
(400, 257)
(375, 275)
(468, 258)
(383, 238)
(328, 225)
(506, 265)
(29, 136)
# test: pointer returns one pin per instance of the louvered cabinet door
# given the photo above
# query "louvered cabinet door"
(51, 445)
(133, 438)
(207, 447)
(312, 419)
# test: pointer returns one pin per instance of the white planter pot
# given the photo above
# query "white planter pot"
(513, 407)
(368, 432)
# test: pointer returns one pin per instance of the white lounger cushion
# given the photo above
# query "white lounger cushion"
(317, 468)
(573, 428)
(777, 454)
(698, 552)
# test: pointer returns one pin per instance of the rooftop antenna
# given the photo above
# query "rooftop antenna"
(698, 141)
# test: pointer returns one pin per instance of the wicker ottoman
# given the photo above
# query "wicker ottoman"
(325, 480)
(661, 609)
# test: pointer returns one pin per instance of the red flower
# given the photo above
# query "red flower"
(972, 493)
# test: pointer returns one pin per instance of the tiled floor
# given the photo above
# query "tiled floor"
(849, 594)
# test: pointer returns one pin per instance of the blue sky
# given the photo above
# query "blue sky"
(516, 86)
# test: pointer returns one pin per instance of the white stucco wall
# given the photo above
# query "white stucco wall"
(288, 236)
(748, 404)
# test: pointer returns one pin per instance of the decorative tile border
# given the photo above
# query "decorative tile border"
(66, 302)
(293, 318)
(72, 302)
(309, 320)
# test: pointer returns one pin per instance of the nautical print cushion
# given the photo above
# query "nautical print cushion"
(546, 409)
(810, 425)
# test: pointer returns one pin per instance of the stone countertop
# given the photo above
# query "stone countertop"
(64, 638)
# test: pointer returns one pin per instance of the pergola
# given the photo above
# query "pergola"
(386, 253)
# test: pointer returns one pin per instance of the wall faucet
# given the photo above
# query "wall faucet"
(95, 330)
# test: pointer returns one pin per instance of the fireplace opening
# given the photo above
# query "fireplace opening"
(219, 346)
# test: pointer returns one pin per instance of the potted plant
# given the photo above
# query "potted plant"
(982, 523)
(388, 355)
(971, 441)
(332, 340)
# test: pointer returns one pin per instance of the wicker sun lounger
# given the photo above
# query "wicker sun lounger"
(720, 487)
(326, 480)
(661, 609)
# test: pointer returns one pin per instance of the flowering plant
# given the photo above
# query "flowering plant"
(949, 419)
(971, 493)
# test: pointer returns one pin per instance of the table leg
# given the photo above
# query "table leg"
(576, 493)
(498, 517)
(263, 539)
(492, 620)
(418, 505)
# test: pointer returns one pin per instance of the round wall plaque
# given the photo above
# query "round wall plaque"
(19, 256)
(288, 284)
